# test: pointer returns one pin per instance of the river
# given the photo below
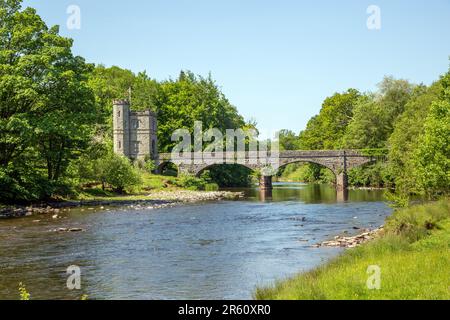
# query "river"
(217, 250)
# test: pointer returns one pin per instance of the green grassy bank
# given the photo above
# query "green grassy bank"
(413, 254)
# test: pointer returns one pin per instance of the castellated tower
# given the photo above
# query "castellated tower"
(134, 132)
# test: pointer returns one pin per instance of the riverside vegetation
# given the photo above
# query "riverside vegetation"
(413, 253)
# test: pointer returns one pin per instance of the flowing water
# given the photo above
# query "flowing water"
(216, 250)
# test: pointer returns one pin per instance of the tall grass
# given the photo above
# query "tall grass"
(413, 255)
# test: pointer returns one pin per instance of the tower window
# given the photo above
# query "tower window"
(118, 113)
(120, 145)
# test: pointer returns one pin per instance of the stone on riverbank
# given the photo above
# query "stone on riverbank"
(157, 200)
(67, 230)
(351, 242)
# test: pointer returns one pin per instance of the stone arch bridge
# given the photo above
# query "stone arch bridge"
(339, 162)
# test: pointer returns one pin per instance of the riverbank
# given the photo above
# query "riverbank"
(412, 254)
(352, 242)
(152, 200)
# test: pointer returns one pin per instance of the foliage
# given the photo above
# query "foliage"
(417, 222)
(212, 187)
(118, 172)
(326, 130)
(108, 169)
(46, 106)
(23, 293)
(191, 182)
(379, 153)
(374, 175)
(288, 140)
(432, 156)
(114, 83)
(397, 200)
(405, 139)
(308, 173)
(149, 165)
(230, 175)
(193, 98)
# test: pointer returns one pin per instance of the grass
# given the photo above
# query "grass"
(413, 255)
(151, 183)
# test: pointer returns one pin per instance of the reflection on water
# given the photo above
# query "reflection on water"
(220, 250)
(312, 193)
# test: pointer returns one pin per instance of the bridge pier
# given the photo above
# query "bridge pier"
(265, 183)
(342, 181)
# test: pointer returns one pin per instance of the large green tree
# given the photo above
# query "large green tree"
(404, 141)
(46, 106)
(326, 130)
(376, 114)
(193, 98)
(432, 156)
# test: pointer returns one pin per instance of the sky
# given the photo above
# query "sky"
(275, 60)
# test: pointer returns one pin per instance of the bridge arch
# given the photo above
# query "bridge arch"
(167, 164)
(323, 164)
(333, 170)
(202, 168)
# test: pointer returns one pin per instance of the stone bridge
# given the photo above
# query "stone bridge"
(339, 162)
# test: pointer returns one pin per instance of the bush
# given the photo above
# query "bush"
(118, 172)
(191, 182)
(212, 187)
(418, 221)
(373, 175)
(229, 175)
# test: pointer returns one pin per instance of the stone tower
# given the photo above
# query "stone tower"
(134, 132)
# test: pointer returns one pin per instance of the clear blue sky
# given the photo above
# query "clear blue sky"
(275, 60)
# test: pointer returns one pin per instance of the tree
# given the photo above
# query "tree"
(114, 83)
(432, 157)
(119, 173)
(376, 114)
(288, 140)
(368, 129)
(46, 105)
(404, 141)
(326, 130)
(193, 98)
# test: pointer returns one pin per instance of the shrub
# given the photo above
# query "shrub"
(191, 182)
(119, 173)
(23, 293)
(418, 221)
(212, 187)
